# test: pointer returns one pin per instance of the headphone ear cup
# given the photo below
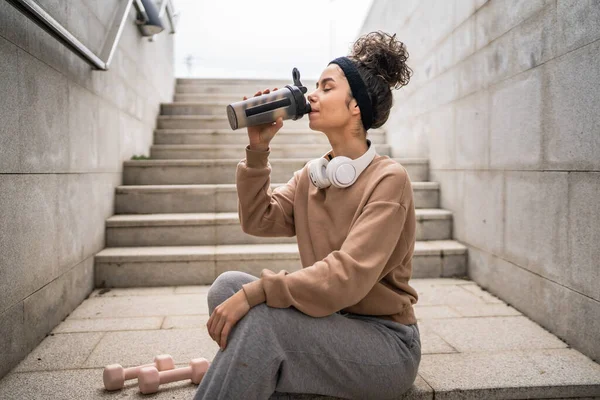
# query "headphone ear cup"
(333, 167)
(317, 173)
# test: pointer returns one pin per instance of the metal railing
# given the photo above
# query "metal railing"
(167, 6)
(34, 12)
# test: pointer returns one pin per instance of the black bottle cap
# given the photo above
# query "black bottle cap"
(298, 91)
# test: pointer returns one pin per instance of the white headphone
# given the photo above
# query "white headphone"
(339, 171)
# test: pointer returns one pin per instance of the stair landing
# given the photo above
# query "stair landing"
(473, 346)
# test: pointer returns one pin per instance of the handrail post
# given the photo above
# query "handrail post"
(114, 35)
(166, 6)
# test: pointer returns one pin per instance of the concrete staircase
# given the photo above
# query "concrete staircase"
(176, 219)
(176, 230)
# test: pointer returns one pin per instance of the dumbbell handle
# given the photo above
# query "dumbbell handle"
(133, 372)
(174, 375)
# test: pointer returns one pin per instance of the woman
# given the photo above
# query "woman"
(344, 324)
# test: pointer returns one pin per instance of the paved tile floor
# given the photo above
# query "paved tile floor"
(473, 346)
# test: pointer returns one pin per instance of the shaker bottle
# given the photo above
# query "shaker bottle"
(288, 102)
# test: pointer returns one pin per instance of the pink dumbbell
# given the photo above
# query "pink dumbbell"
(115, 375)
(150, 378)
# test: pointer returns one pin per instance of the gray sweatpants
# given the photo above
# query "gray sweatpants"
(271, 351)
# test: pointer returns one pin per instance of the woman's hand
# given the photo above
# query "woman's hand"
(225, 316)
(261, 135)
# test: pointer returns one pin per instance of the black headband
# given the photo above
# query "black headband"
(358, 88)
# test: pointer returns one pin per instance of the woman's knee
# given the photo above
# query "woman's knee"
(225, 286)
(233, 279)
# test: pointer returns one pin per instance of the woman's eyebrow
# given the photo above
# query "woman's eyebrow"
(325, 80)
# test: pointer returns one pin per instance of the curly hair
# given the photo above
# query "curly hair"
(381, 62)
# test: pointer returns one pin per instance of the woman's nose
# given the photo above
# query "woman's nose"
(311, 98)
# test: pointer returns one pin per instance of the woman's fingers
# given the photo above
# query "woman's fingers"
(209, 326)
(224, 335)
(212, 331)
(219, 329)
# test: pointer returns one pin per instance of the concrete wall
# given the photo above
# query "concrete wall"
(65, 130)
(504, 102)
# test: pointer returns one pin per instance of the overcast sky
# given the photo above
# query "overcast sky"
(264, 38)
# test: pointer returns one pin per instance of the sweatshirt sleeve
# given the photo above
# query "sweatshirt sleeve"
(262, 211)
(344, 276)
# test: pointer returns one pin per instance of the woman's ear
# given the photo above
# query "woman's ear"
(354, 109)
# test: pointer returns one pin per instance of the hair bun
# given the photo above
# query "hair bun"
(384, 56)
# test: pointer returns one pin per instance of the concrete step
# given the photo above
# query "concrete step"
(200, 265)
(473, 346)
(224, 89)
(182, 172)
(247, 86)
(214, 107)
(163, 199)
(204, 229)
(209, 97)
(240, 136)
(261, 83)
(215, 151)
(250, 86)
(213, 122)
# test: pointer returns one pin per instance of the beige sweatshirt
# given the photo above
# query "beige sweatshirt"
(356, 244)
